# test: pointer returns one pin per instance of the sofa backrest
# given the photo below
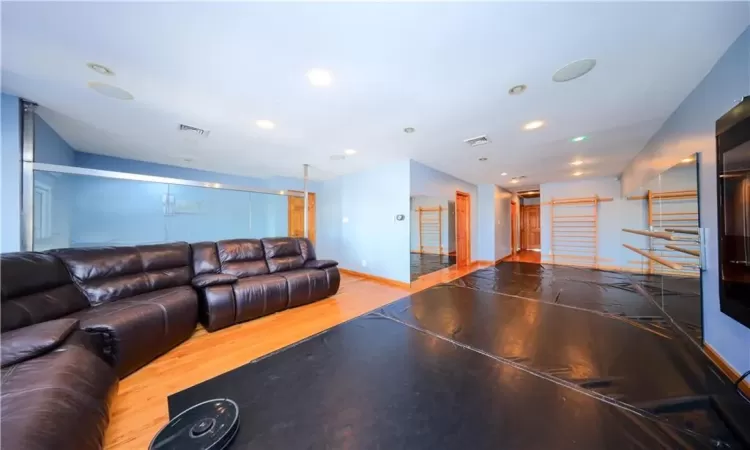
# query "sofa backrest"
(36, 287)
(241, 257)
(110, 273)
(283, 253)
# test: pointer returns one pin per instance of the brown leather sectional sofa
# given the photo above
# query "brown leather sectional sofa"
(76, 320)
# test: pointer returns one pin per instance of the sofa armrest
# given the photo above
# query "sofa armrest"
(320, 264)
(213, 279)
(27, 342)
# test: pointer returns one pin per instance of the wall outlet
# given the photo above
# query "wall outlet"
(364, 263)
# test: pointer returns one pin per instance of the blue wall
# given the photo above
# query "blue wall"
(49, 147)
(356, 221)
(691, 129)
(101, 162)
(493, 222)
(10, 174)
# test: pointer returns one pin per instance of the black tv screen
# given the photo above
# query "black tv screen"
(733, 168)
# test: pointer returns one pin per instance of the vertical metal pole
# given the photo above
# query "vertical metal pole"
(27, 175)
(307, 228)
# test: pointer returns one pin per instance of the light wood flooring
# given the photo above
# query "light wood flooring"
(140, 408)
(527, 256)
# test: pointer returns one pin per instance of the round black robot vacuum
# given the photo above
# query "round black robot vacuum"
(210, 425)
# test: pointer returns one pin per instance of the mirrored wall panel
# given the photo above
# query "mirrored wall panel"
(91, 211)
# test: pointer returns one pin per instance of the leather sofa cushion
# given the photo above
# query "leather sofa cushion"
(36, 287)
(205, 258)
(57, 401)
(283, 254)
(320, 264)
(305, 286)
(307, 250)
(242, 257)
(111, 273)
(136, 330)
(212, 279)
(27, 342)
(259, 296)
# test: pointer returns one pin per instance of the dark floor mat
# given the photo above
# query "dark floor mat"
(424, 263)
(628, 359)
(373, 383)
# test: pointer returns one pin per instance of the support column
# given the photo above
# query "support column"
(307, 228)
(27, 175)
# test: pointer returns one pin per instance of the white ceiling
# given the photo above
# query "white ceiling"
(442, 68)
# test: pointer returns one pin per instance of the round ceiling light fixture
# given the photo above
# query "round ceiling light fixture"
(574, 70)
(265, 124)
(533, 125)
(319, 77)
(350, 151)
(483, 159)
(577, 174)
(100, 69)
(517, 89)
(577, 162)
(579, 138)
(110, 91)
(504, 174)
(409, 130)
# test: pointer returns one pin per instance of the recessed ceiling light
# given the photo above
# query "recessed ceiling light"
(265, 124)
(110, 91)
(578, 139)
(349, 151)
(409, 130)
(533, 125)
(504, 174)
(514, 180)
(100, 69)
(574, 70)
(577, 162)
(577, 174)
(281, 192)
(688, 160)
(483, 159)
(319, 77)
(517, 90)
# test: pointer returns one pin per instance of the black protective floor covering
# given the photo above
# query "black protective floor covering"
(516, 356)
(373, 383)
(424, 263)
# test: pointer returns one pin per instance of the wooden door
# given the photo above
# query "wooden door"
(463, 229)
(513, 228)
(530, 228)
(297, 216)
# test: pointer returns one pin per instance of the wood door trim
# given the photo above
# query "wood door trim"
(468, 225)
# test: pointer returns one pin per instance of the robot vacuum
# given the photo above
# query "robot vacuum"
(210, 425)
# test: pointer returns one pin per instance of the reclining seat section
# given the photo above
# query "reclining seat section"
(142, 302)
(243, 279)
(54, 376)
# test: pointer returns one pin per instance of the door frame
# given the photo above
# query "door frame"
(524, 237)
(312, 218)
(514, 222)
(467, 196)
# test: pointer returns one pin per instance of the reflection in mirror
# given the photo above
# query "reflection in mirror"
(664, 244)
(432, 235)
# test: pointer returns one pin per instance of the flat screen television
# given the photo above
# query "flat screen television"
(733, 170)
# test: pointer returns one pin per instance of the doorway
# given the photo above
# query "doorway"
(463, 229)
(297, 216)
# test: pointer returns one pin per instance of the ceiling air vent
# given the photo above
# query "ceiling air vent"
(193, 130)
(477, 141)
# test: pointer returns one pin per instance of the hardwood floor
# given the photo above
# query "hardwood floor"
(140, 407)
(527, 256)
